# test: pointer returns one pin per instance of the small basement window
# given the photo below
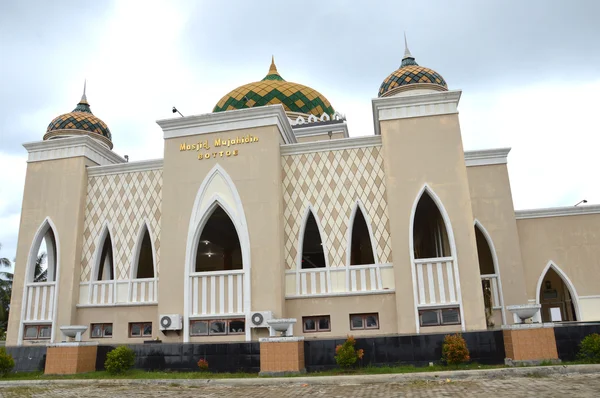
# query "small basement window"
(37, 332)
(364, 321)
(316, 324)
(439, 317)
(217, 327)
(99, 330)
(140, 329)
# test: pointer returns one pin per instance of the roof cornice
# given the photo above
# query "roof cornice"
(307, 131)
(230, 120)
(70, 147)
(418, 105)
(331, 145)
(130, 167)
(486, 157)
(557, 212)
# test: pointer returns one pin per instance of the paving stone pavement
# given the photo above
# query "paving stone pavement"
(572, 385)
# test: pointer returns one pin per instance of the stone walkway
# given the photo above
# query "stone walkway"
(570, 385)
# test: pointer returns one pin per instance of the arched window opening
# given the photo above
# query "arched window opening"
(556, 299)
(44, 266)
(361, 249)
(219, 246)
(313, 255)
(106, 265)
(430, 238)
(484, 254)
(145, 263)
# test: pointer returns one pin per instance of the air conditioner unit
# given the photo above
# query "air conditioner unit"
(171, 322)
(258, 319)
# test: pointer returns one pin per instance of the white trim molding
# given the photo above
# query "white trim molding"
(557, 211)
(238, 119)
(331, 145)
(129, 167)
(71, 147)
(308, 130)
(430, 104)
(486, 157)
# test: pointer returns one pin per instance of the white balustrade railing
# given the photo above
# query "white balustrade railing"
(119, 292)
(143, 290)
(217, 293)
(495, 291)
(436, 281)
(313, 281)
(103, 292)
(363, 278)
(40, 301)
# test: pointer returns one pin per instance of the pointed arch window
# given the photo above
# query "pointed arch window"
(144, 266)
(430, 238)
(557, 296)
(219, 246)
(106, 260)
(361, 247)
(484, 254)
(45, 261)
(313, 255)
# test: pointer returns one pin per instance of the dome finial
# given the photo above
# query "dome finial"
(83, 97)
(408, 58)
(273, 74)
(407, 53)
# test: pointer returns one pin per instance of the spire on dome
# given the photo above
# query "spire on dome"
(83, 105)
(408, 59)
(273, 74)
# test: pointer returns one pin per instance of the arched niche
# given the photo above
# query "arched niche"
(218, 247)
(104, 269)
(43, 261)
(429, 233)
(361, 250)
(312, 249)
(144, 260)
(557, 296)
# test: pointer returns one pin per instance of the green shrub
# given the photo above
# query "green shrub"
(346, 355)
(454, 350)
(589, 350)
(119, 360)
(7, 363)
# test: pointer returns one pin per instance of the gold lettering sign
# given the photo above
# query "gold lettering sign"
(223, 144)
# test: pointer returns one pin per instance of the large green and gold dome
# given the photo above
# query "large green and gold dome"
(296, 99)
(80, 121)
(411, 75)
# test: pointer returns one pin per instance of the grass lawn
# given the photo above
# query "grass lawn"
(141, 374)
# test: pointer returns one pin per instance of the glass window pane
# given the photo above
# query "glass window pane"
(108, 330)
(97, 330)
(372, 321)
(357, 322)
(44, 332)
(236, 326)
(450, 316)
(199, 328)
(217, 327)
(147, 329)
(323, 323)
(429, 318)
(309, 324)
(136, 329)
(31, 332)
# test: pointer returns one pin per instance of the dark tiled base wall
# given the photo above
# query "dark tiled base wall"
(28, 358)
(226, 357)
(568, 338)
(485, 348)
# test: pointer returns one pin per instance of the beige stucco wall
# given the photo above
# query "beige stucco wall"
(572, 243)
(492, 204)
(54, 189)
(120, 317)
(339, 310)
(428, 150)
(256, 173)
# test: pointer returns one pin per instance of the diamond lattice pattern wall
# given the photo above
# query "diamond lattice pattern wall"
(332, 182)
(125, 201)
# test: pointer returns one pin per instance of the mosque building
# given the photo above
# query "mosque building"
(267, 208)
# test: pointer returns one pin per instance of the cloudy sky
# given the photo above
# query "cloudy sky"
(529, 71)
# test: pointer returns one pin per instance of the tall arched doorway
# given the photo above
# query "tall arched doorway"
(557, 296)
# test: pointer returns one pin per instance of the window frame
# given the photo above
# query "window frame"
(316, 319)
(142, 325)
(37, 335)
(210, 321)
(440, 319)
(364, 316)
(102, 330)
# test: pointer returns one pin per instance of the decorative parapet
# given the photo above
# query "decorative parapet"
(71, 147)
